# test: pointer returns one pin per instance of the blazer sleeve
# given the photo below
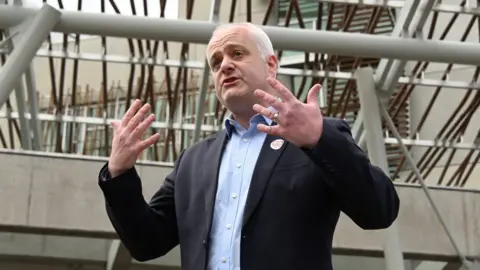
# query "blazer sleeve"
(148, 230)
(364, 192)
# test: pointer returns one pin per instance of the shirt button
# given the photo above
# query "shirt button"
(229, 226)
(234, 195)
(245, 139)
(239, 165)
(224, 259)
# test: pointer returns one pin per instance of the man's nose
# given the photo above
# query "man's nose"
(227, 65)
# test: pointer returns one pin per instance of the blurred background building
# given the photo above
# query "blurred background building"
(55, 132)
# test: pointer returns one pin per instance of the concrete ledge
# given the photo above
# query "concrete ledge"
(56, 194)
(42, 252)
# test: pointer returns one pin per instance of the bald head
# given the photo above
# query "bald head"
(258, 36)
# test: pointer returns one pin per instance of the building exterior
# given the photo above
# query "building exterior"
(109, 74)
(91, 139)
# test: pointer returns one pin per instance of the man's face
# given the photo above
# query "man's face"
(238, 68)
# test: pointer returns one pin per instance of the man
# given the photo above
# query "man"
(266, 192)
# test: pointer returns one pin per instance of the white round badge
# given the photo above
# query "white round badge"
(277, 144)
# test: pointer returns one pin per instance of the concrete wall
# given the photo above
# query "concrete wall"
(59, 195)
(53, 217)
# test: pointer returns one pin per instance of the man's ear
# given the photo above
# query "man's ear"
(272, 63)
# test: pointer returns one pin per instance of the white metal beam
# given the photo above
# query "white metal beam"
(211, 128)
(121, 59)
(191, 31)
(434, 143)
(119, 257)
(472, 4)
(384, 113)
(202, 93)
(409, 29)
(106, 121)
(403, 22)
(19, 90)
(412, 18)
(454, 266)
(32, 38)
(13, 31)
(378, 155)
(33, 108)
(471, 8)
(33, 127)
(7, 40)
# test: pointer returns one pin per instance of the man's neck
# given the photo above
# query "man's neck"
(244, 120)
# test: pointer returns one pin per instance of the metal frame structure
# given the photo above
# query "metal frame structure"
(33, 33)
(378, 155)
(371, 55)
(373, 110)
(200, 32)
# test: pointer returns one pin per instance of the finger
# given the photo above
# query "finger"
(138, 118)
(312, 97)
(148, 142)
(263, 111)
(283, 91)
(269, 99)
(131, 112)
(115, 124)
(271, 130)
(140, 129)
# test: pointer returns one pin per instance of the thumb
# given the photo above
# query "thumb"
(312, 97)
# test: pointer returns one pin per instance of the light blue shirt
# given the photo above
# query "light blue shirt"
(236, 169)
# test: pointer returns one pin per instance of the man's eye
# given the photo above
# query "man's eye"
(237, 53)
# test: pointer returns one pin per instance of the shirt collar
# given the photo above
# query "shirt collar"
(231, 125)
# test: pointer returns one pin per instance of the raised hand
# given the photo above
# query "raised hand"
(297, 122)
(127, 139)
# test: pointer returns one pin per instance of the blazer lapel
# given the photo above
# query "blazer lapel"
(266, 162)
(213, 157)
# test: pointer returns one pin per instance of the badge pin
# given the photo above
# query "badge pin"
(277, 144)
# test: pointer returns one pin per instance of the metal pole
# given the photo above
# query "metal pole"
(118, 257)
(415, 27)
(25, 137)
(6, 41)
(191, 64)
(411, 20)
(32, 96)
(85, 120)
(214, 18)
(32, 38)
(377, 154)
(32, 100)
(402, 24)
(418, 174)
(352, 44)
(25, 134)
(439, 7)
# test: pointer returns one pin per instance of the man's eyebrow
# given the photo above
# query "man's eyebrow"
(236, 46)
(229, 46)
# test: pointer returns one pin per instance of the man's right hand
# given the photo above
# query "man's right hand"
(127, 139)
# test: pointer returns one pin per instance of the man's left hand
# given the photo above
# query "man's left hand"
(297, 122)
